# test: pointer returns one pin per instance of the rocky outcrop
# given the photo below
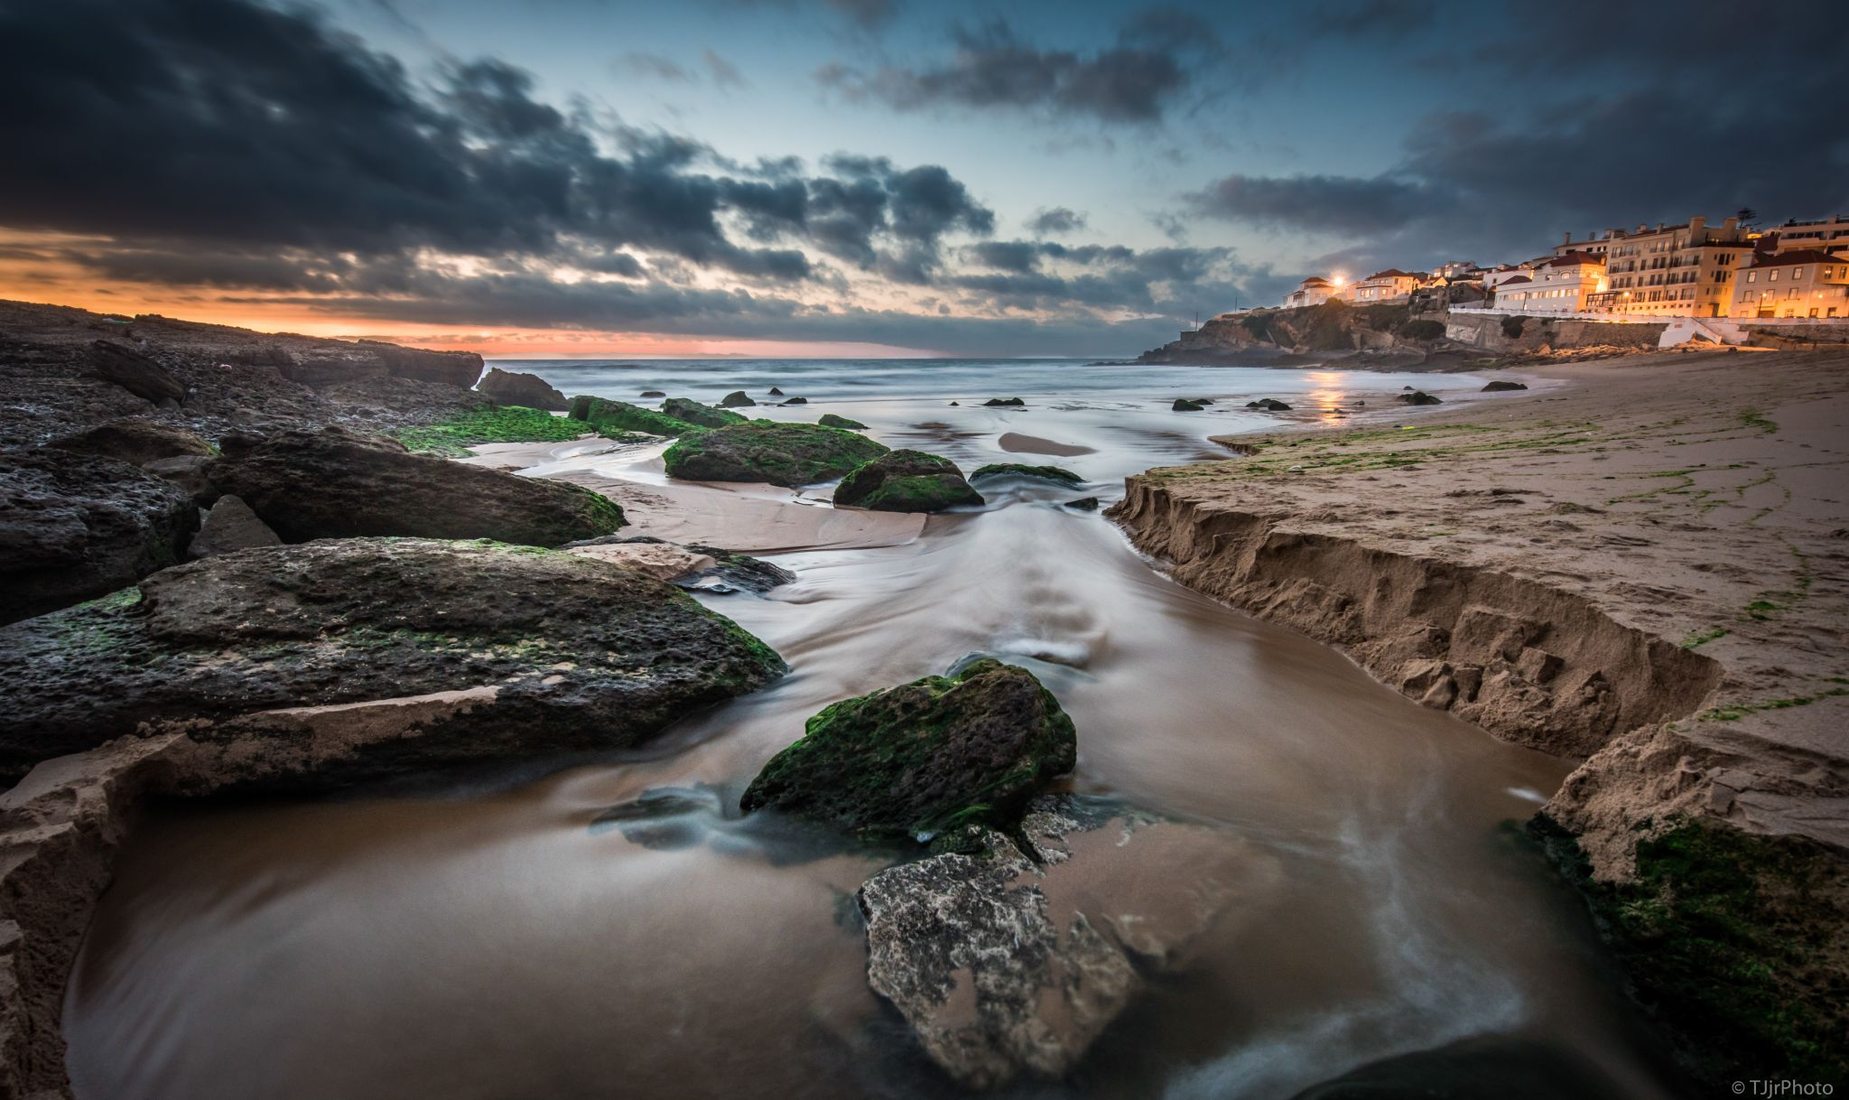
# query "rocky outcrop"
(129, 368)
(230, 525)
(74, 526)
(343, 660)
(135, 440)
(1530, 663)
(1502, 385)
(830, 420)
(616, 417)
(1419, 397)
(913, 761)
(519, 388)
(336, 484)
(336, 363)
(1004, 403)
(781, 454)
(1000, 471)
(1011, 958)
(906, 481)
(705, 416)
(737, 399)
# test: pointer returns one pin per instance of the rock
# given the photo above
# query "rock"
(1419, 397)
(653, 393)
(349, 659)
(830, 420)
(781, 454)
(1004, 402)
(956, 404)
(1268, 404)
(1502, 385)
(74, 526)
(334, 484)
(1183, 405)
(620, 416)
(1005, 965)
(998, 470)
(775, 392)
(188, 472)
(737, 399)
(915, 760)
(517, 388)
(795, 401)
(694, 566)
(134, 371)
(1201, 400)
(1083, 504)
(906, 481)
(705, 416)
(135, 440)
(230, 525)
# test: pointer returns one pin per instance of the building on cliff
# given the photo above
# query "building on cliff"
(1391, 285)
(1313, 291)
(1682, 270)
(1805, 282)
(1560, 284)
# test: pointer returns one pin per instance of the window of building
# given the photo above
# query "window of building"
(1797, 273)
(1772, 276)
(1752, 276)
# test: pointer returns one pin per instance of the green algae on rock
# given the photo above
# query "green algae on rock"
(498, 424)
(760, 450)
(906, 481)
(609, 416)
(912, 761)
(830, 420)
(705, 416)
(1022, 469)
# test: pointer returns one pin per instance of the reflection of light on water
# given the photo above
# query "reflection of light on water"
(1328, 393)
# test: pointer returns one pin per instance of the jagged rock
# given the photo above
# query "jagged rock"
(997, 978)
(775, 392)
(519, 388)
(915, 760)
(1183, 405)
(135, 372)
(620, 416)
(1419, 397)
(680, 408)
(74, 526)
(830, 420)
(1002, 470)
(1503, 385)
(1268, 404)
(781, 454)
(335, 484)
(135, 440)
(906, 481)
(349, 659)
(230, 525)
(1004, 402)
(737, 399)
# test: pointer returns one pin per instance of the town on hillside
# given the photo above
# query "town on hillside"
(1797, 271)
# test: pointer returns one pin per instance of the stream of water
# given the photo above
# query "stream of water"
(494, 940)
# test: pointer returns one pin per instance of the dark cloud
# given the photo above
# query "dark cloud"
(1330, 204)
(994, 68)
(1057, 220)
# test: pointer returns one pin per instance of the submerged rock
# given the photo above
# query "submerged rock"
(1008, 961)
(230, 525)
(1268, 404)
(620, 416)
(334, 484)
(912, 761)
(74, 526)
(781, 454)
(1502, 385)
(830, 420)
(998, 470)
(135, 440)
(519, 388)
(350, 659)
(906, 481)
(1004, 402)
(681, 408)
(652, 393)
(795, 401)
(1419, 397)
(1183, 405)
(737, 399)
(1083, 504)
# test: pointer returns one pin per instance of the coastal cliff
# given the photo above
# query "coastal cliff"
(1629, 569)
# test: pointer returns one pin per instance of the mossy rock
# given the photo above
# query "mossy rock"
(1184, 405)
(737, 399)
(906, 481)
(921, 758)
(495, 424)
(760, 450)
(830, 420)
(681, 408)
(620, 416)
(1020, 469)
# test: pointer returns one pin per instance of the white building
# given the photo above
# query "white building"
(1801, 283)
(1391, 285)
(1560, 284)
(1313, 291)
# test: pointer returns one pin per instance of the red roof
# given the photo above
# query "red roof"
(1574, 259)
(1390, 273)
(1316, 280)
(1799, 256)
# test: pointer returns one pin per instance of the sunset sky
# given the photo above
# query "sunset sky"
(862, 177)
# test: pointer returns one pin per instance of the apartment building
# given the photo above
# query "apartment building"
(1391, 285)
(1313, 291)
(1805, 282)
(1822, 233)
(1682, 270)
(1560, 284)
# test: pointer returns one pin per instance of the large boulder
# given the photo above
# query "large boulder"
(74, 526)
(135, 440)
(134, 371)
(531, 391)
(906, 481)
(759, 450)
(681, 408)
(610, 417)
(1503, 385)
(913, 761)
(230, 525)
(1419, 397)
(335, 484)
(1012, 957)
(350, 659)
(738, 399)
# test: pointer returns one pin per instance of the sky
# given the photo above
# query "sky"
(864, 177)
